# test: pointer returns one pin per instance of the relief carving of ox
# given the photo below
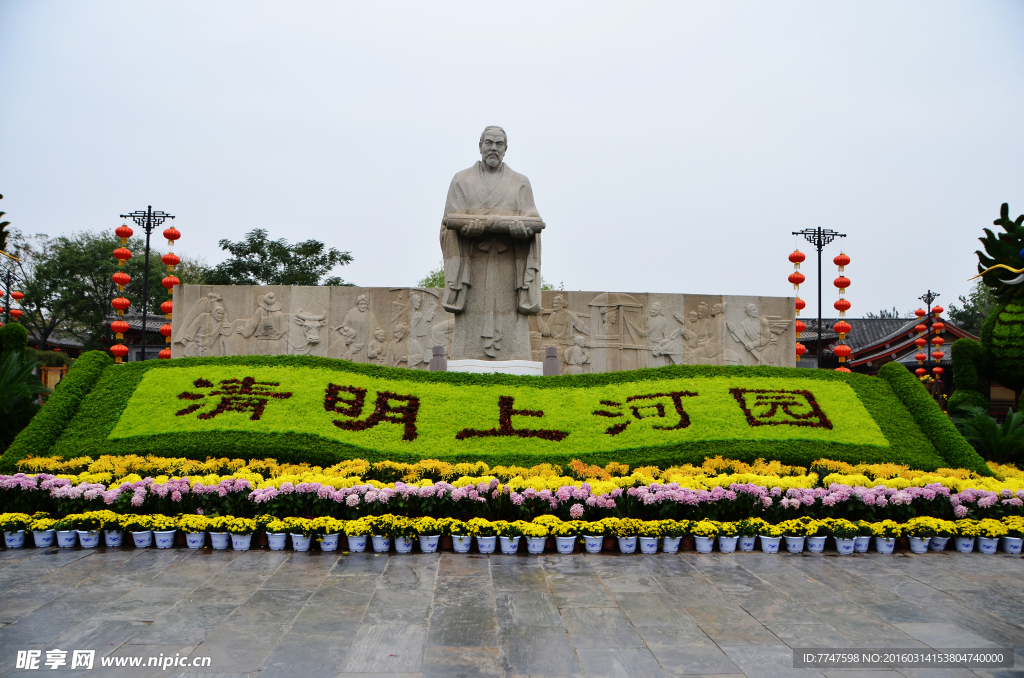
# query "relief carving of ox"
(304, 334)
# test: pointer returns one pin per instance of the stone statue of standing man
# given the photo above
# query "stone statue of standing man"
(490, 239)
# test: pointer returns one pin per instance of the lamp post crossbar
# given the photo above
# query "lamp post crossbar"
(819, 237)
(147, 220)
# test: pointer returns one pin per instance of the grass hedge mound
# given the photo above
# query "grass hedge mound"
(318, 410)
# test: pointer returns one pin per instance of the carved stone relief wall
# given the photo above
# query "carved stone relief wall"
(397, 327)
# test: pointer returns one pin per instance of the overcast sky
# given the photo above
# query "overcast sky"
(672, 147)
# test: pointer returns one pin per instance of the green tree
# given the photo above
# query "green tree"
(433, 279)
(885, 313)
(1001, 444)
(258, 260)
(974, 309)
(19, 388)
(3, 231)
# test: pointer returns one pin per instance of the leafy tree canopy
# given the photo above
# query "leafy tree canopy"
(19, 388)
(886, 313)
(974, 309)
(258, 260)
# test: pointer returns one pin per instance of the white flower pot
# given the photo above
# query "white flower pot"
(987, 545)
(746, 543)
(195, 540)
(565, 544)
(219, 540)
(704, 544)
(937, 543)
(356, 543)
(241, 542)
(428, 543)
(403, 544)
(113, 538)
(66, 538)
(795, 544)
(919, 544)
(164, 538)
(963, 544)
(300, 543)
(627, 544)
(509, 545)
(648, 544)
(486, 544)
(461, 543)
(860, 544)
(845, 547)
(14, 540)
(816, 544)
(1012, 545)
(727, 544)
(670, 544)
(143, 539)
(885, 545)
(534, 545)
(89, 539)
(329, 542)
(277, 540)
(770, 544)
(43, 538)
(381, 544)
(592, 544)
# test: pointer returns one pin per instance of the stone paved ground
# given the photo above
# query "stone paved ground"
(317, 614)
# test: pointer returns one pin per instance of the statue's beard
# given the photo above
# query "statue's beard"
(492, 159)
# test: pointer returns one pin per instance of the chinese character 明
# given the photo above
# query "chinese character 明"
(506, 410)
(82, 659)
(778, 407)
(647, 406)
(383, 410)
(55, 658)
(237, 395)
(28, 659)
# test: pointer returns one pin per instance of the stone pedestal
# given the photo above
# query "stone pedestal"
(522, 367)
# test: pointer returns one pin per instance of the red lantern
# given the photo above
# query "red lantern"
(120, 304)
(920, 313)
(123, 232)
(1, 294)
(842, 350)
(938, 326)
(165, 354)
(170, 260)
(920, 371)
(938, 371)
(920, 329)
(921, 342)
(842, 261)
(842, 282)
(800, 304)
(842, 327)
(797, 258)
(171, 234)
(165, 330)
(938, 355)
(938, 341)
(169, 282)
(920, 358)
(167, 307)
(842, 369)
(122, 254)
(800, 350)
(938, 310)
(796, 277)
(121, 279)
(16, 313)
(119, 351)
(17, 296)
(800, 327)
(842, 306)
(119, 327)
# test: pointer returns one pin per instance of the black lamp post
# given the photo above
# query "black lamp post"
(147, 220)
(819, 237)
(928, 297)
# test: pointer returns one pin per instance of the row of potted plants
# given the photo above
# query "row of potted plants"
(923, 533)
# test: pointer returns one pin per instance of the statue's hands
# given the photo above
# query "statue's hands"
(518, 229)
(474, 228)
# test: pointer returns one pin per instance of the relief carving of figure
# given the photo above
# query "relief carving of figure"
(268, 323)
(760, 335)
(377, 351)
(662, 337)
(561, 325)
(397, 353)
(419, 329)
(703, 334)
(204, 329)
(441, 335)
(490, 239)
(576, 356)
(356, 330)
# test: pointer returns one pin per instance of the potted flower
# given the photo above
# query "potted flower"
(404, 532)
(921, 529)
(1014, 534)
(301, 530)
(485, 533)
(328, 532)
(42, 530)
(194, 527)
(886, 533)
(845, 534)
(14, 526)
(796, 532)
(536, 534)
(863, 538)
(429, 532)
(565, 535)
(241, 530)
(704, 533)
(164, 529)
(219, 537)
(944, 529)
(356, 531)
(110, 524)
(277, 534)
(139, 527)
(262, 521)
(381, 530)
(748, 529)
(593, 535)
(625, 529)
(548, 521)
(462, 538)
(990, 530)
(770, 536)
(817, 535)
(509, 534)
(967, 531)
(728, 535)
(66, 534)
(648, 534)
(88, 526)
(672, 532)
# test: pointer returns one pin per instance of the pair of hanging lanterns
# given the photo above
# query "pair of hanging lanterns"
(796, 277)
(16, 313)
(937, 341)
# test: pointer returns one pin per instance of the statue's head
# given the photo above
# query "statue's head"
(379, 335)
(752, 310)
(655, 309)
(692, 316)
(362, 303)
(558, 302)
(579, 340)
(400, 331)
(716, 310)
(218, 312)
(702, 311)
(493, 144)
(415, 301)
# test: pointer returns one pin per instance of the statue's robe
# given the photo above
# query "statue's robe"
(492, 281)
